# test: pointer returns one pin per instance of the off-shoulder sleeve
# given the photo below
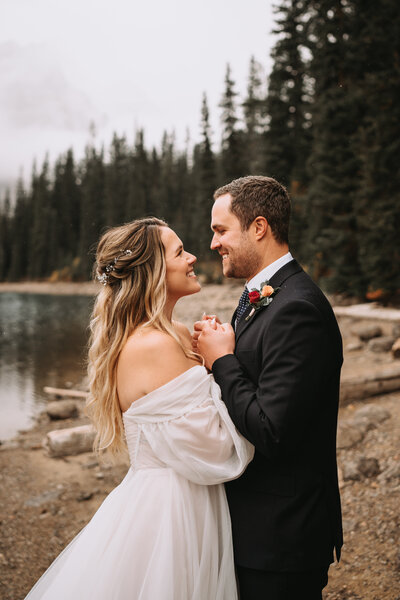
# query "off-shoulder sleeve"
(202, 444)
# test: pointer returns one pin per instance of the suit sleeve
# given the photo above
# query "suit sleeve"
(275, 414)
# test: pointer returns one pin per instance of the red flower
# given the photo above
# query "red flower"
(254, 297)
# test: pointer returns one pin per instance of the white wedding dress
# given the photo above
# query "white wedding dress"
(164, 533)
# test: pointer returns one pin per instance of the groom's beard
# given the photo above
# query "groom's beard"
(241, 263)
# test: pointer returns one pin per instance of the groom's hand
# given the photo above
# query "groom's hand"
(215, 341)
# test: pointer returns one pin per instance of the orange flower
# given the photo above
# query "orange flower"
(267, 291)
(374, 294)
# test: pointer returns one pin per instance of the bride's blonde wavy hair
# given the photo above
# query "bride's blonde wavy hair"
(130, 262)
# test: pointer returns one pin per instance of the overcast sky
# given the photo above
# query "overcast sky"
(121, 64)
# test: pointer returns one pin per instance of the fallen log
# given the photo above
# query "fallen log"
(372, 384)
(370, 310)
(70, 441)
(65, 393)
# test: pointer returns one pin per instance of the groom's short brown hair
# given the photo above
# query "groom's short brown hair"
(258, 196)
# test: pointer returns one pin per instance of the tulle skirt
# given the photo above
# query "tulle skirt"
(157, 536)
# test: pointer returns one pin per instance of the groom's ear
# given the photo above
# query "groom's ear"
(260, 227)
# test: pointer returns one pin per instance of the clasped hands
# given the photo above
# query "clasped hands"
(212, 339)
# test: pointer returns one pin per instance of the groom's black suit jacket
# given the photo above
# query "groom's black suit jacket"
(281, 388)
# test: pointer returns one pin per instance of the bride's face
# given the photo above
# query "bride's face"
(180, 276)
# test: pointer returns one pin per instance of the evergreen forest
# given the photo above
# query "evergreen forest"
(326, 123)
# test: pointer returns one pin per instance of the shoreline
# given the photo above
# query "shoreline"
(85, 288)
(357, 311)
(57, 288)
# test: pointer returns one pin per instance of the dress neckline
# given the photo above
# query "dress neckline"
(162, 387)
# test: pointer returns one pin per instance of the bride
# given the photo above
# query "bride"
(164, 533)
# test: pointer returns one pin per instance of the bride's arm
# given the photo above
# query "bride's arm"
(203, 444)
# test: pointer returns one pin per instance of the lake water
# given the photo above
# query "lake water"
(42, 342)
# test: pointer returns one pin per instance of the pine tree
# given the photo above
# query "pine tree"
(207, 161)
(333, 165)
(180, 219)
(205, 183)
(5, 236)
(66, 206)
(254, 118)
(138, 200)
(117, 181)
(92, 218)
(154, 203)
(232, 159)
(40, 259)
(378, 144)
(287, 140)
(166, 198)
(20, 235)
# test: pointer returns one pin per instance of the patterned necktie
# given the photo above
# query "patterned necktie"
(243, 304)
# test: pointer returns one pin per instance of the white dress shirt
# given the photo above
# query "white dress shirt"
(268, 272)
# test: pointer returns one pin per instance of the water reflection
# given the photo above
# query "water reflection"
(42, 342)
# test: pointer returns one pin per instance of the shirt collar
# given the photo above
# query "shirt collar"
(268, 272)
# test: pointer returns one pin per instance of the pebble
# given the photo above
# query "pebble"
(381, 344)
(62, 409)
(350, 471)
(372, 413)
(90, 464)
(360, 468)
(369, 466)
(392, 472)
(349, 434)
(43, 498)
(354, 347)
(86, 495)
(396, 349)
(396, 330)
(367, 332)
(349, 525)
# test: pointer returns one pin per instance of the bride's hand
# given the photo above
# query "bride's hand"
(198, 327)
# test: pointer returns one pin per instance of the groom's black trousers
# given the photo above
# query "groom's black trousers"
(267, 585)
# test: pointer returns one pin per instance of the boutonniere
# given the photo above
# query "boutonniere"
(261, 297)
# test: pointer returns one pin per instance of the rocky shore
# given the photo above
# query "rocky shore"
(45, 501)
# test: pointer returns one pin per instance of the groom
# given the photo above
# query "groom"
(278, 367)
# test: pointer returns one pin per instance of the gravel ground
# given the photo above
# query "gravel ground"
(44, 502)
(370, 564)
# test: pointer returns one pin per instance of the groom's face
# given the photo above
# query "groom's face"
(236, 247)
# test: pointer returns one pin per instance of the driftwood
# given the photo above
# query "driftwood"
(382, 382)
(65, 442)
(61, 393)
(371, 310)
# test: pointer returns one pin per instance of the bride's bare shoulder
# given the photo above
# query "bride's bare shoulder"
(149, 359)
(147, 341)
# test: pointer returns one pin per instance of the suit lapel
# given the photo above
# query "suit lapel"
(277, 280)
(233, 319)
